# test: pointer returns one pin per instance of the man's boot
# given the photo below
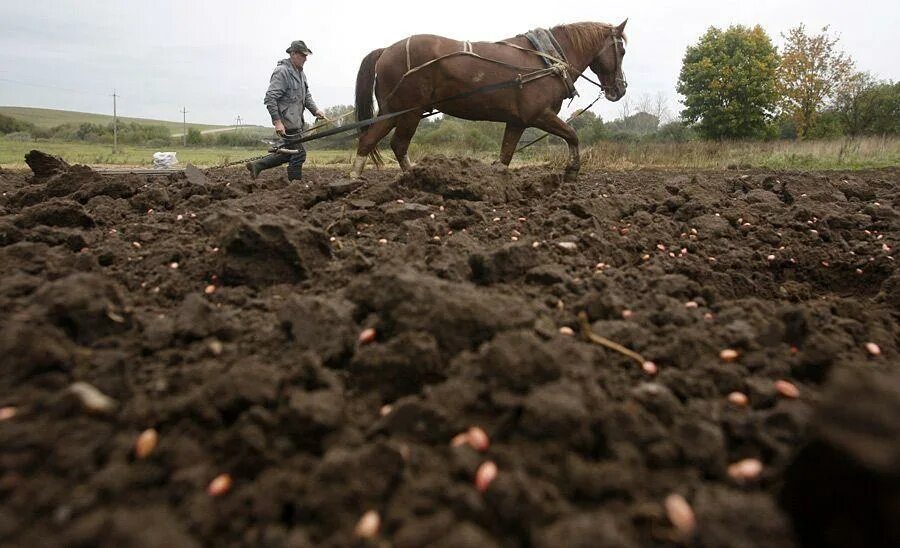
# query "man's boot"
(295, 172)
(270, 161)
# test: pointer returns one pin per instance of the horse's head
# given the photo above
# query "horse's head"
(607, 64)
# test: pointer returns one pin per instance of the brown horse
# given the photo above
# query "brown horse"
(424, 69)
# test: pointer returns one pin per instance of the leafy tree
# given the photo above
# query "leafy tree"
(589, 127)
(866, 106)
(881, 107)
(639, 123)
(676, 131)
(812, 71)
(194, 137)
(9, 124)
(728, 80)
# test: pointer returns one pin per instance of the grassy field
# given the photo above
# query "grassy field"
(12, 154)
(860, 153)
(48, 118)
(868, 152)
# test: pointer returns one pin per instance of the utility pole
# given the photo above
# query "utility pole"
(184, 125)
(115, 125)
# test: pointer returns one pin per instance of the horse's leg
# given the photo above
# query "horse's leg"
(554, 125)
(367, 143)
(511, 137)
(403, 134)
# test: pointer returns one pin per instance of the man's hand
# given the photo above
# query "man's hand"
(279, 128)
(321, 116)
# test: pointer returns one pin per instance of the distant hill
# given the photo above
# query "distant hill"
(48, 118)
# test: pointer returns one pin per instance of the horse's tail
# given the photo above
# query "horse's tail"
(365, 88)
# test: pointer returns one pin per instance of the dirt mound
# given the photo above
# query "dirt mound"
(856, 446)
(268, 249)
(468, 179)
(326, 343)
(44, 165)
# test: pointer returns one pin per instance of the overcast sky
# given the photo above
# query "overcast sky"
(215, 57)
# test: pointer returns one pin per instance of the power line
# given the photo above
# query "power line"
(184, 125)
(115, 125)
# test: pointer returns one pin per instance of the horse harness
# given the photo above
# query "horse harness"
(546, 47)
(557, 66)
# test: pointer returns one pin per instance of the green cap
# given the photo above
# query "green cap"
(298, 45)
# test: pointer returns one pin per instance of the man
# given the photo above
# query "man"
(287, 97)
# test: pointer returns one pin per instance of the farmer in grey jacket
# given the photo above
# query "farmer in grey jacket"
(287, 97)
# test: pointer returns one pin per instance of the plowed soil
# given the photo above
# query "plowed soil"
(225, 313)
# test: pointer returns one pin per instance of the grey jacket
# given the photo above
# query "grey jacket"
(288, 95)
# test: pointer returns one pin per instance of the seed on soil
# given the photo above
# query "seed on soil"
(216, 347)
(567, 331)
(787, 389)
(7, 412)
(475, 437)
(478, 439)
(739, 399)
(680, 514)
(568, 246)
(173, 266)
(385, 410)
(368, 525)
(691, 304)
(873, 349)
(771, 257)
(382, 241)
(210, 289)
(485, 475)
(460, 439)
(179, 217)
(220, 485)
(708, 316)
(93, 400)
(146, 443)
(136, 244)
(627, 314)
(728, 355)
(649, 367)
(745, 470)
(366, 336)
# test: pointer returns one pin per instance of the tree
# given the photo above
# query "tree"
(589, 127)
(11, 125)
(728, 82)
(812, 70)
(865, 105)
(194, 137)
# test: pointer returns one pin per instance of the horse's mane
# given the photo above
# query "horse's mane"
(587, 36)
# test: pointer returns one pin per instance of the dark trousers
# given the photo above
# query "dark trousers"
(294, 162)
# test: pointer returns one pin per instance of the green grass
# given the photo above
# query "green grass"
(12, 154)
(47, 118)
(846, 153)
(870, 152)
